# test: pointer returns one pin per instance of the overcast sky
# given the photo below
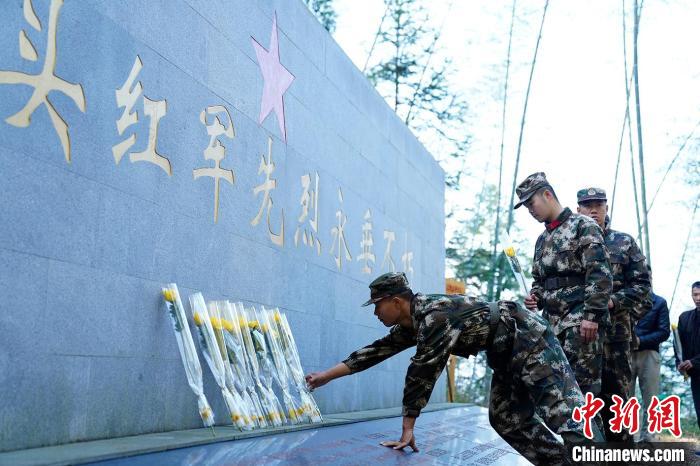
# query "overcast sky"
(576, 105)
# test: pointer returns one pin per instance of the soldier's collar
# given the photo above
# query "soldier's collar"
(565, 214)
(413, 308)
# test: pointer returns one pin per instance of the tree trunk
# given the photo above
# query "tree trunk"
(520, 142)
(640, 148)
(494, 253)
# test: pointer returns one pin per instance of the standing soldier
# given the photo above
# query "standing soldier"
(571, 279)
(530, 371)
(629, 301)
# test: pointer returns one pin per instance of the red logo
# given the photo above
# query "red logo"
(625, 415)
(665, 414)
(587, 412)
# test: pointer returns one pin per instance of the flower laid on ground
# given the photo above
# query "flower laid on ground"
(241, 366)
(243, 417)
(188, 353)
(212, 354)
(291, 353)
(291, 403)
(255, 353)
(247, 351)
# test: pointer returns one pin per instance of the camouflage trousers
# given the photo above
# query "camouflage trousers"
(586, 359)
(541, 394)
(616, 379)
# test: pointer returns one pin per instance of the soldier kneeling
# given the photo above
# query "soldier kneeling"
(531, 374)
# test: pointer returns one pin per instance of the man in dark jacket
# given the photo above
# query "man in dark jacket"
(689, 332)
(652, 330)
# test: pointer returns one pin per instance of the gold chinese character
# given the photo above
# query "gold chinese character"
(309, 201)
(407, 260)
(155, 110)
(390, 237)
(268, 185)
(366, 244)
(216, 151)
(46, 81)
(339, 236)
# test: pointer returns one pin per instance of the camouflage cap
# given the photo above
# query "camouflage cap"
(591, 194)
(389, 284)
(529, 186)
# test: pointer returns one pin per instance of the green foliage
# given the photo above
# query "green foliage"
(420, 94)
(324, 12)
(469, 253)
(177, 324)
(402, 29)
(470, 257)
(473, 380)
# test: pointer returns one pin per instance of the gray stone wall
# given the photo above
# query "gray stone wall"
(86, 350)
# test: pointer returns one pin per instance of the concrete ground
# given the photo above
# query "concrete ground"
(462, 433)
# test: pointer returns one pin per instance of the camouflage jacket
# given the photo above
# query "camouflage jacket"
(572, 246)
(444, 325)
(631, 292)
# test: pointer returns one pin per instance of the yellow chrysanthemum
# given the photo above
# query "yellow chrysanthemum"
(197, 319)
(216, 323)
(253, 324)
(674, 326)
(264, 327)
(277, 317)
(510, 251)
(169, 295)
(235, 418)
(205, 414)
(228, 325)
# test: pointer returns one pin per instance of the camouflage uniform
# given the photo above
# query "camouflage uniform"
(572, 282)
(631, 297)
(530, 372)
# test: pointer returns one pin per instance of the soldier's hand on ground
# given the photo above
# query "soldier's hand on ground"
(316, 379)
(531, 302)
(589, 331)
(407, 440)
